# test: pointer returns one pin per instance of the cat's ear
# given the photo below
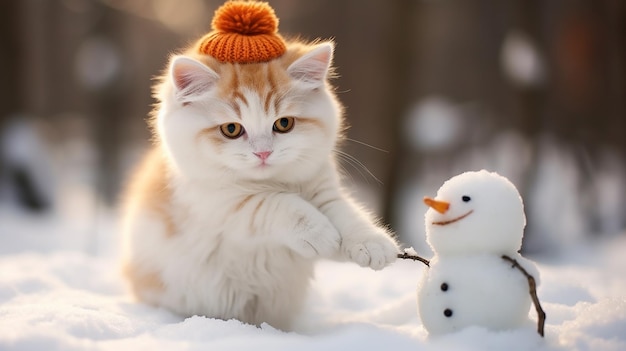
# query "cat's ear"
(192, 79)
(312, 69)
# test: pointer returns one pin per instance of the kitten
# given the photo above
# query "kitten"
(241, 194)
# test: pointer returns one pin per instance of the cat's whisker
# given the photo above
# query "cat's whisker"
(347, 160)
(366, 144)
(344, 171)
(358, 165)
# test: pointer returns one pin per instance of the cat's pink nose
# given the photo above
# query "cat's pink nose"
(263, 155)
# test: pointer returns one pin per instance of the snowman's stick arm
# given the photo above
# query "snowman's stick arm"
(406, 256)
(532, 285)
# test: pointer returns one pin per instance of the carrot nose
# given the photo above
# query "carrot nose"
(439, 206)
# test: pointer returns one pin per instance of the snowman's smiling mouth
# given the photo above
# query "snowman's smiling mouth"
(450, 221)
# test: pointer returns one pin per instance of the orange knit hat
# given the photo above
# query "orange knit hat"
(243, 32)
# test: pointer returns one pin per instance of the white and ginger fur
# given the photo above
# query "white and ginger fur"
(231, 228)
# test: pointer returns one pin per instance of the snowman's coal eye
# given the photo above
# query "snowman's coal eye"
(466, 198)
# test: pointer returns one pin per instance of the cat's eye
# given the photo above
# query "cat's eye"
(284, 124)
(232, 130)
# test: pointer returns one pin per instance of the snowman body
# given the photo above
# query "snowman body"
(481, 289)
(475, 219)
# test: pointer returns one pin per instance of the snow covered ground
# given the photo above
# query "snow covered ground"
(57, 292)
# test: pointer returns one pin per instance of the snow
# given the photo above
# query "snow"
(410, 251)
(521, 60)
(59, 295)
(98, 62)
(434, 123)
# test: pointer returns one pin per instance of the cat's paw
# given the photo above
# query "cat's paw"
(375, 251)
(317, 237)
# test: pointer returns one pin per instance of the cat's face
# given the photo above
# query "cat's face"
(275, 120)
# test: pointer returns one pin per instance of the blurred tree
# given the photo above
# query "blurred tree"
(109, 100)
(14, 172)
(10, 65)
(401, 68)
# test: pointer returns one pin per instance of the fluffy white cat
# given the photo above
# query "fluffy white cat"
(240, 194)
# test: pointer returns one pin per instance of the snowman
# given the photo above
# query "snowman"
(476, 277)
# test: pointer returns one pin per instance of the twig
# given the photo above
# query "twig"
(532, 287)
(406, 256)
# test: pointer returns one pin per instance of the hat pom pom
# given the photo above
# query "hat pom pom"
(243, 32)
(246, 18)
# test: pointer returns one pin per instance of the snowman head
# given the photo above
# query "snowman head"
(475, 212)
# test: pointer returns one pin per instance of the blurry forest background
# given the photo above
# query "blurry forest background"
(535, 90)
